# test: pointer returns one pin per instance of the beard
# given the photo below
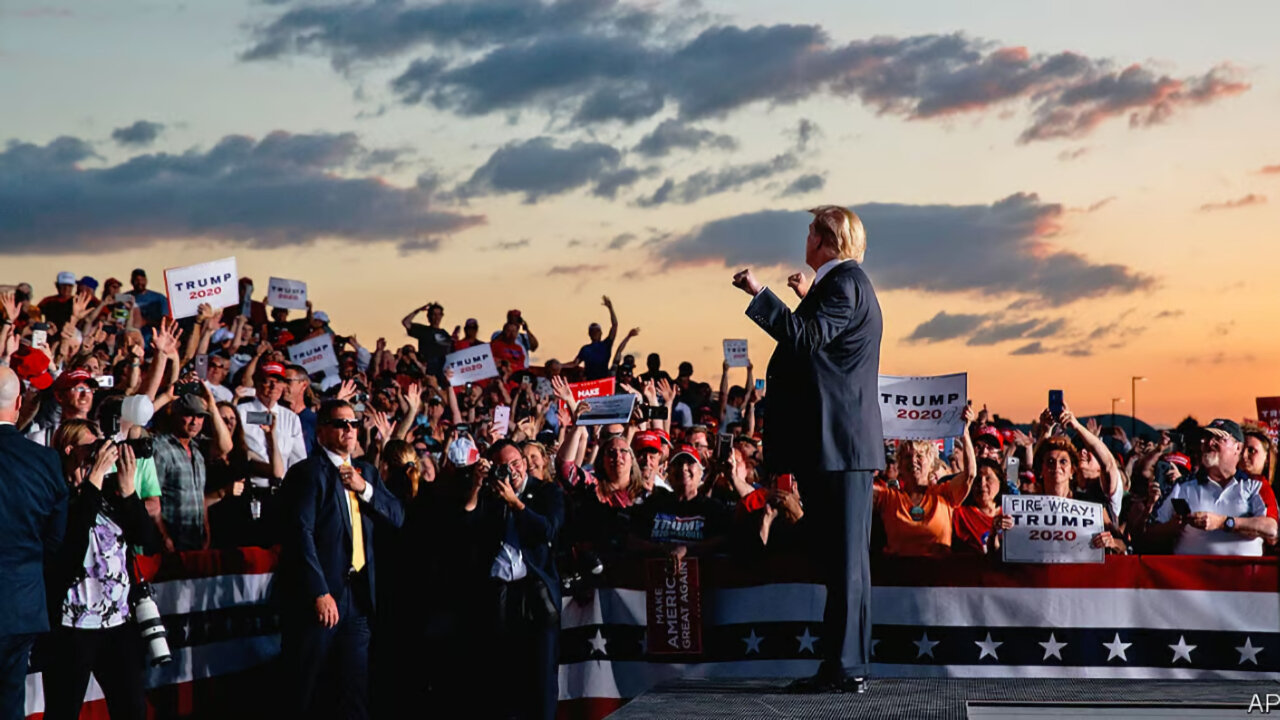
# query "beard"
(1210, 459)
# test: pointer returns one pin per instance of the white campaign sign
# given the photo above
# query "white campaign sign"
(1051, 529)
(608, 409)
(291, 294)
(471, 365)
(923, 408)
(735, 353)
(215, 283)
(315, 354)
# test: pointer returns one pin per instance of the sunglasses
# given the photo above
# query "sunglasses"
(343, 423)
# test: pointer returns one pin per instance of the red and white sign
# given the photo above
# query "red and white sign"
(291, 294)
(214, 282)
(673, 600)
(471, 365)
(591, 389)
(735, 353)
(1269, 415)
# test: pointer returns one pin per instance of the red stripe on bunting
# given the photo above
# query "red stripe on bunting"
(1152, 572)
(211, 563)
(591, 708)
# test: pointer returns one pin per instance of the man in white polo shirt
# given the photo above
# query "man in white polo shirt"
(1228, 512)
(268, 383)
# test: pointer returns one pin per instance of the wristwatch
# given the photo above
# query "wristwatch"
(1229, 523)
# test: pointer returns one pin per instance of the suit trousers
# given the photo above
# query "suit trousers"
(116, 658)
(15, 652)
(839, 504)
(328, 668)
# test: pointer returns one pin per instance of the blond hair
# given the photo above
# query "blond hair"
(925, 447)
(841, 230)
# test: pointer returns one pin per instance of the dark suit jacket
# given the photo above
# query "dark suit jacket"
(538, 527)
(316, 548)
(824, 410)
(33, 518)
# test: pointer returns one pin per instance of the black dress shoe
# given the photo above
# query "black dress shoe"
(820, 683)
(854, 685)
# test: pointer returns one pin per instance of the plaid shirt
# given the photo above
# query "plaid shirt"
(182, 478)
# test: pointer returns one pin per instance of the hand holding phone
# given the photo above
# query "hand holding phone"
(724, 446)
(1181, 507)
(1055, 403)
(39, 338)
(786, 483)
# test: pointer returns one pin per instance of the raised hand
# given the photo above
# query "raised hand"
(633, 332)
(607, 302)
(166, 338)
(347, 390)
(744, 280)
(666, 390)
(562, 390)
(799, 284)
(9, 304)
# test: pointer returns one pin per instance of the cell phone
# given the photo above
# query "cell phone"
(724, 446)
(786, 483)
(656, 412)
(1055, 403)
(120, 314)
(124, 299)
(257, 417)
(105, 381)
(1011, 468)
(760, 385)
(1180, 506)
(202, 367)
(186, 388)
(462, 428)
(39, 338)
(526, 381)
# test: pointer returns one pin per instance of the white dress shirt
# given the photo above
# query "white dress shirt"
(827, 267)
(509, 565)
(288, 432)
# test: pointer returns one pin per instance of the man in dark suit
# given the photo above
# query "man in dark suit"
(326, 579)
(33, 517)
(513, 523)
(823, 425)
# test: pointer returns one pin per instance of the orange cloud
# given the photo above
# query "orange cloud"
(1246, 201)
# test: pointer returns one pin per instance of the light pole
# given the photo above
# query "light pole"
(1113, 409)
(1133, 407)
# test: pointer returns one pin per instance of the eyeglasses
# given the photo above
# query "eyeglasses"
(344, 424)
(81, 390)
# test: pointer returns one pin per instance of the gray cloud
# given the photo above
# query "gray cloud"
(991, 250)
(713, 182)
(1035, 348)
(139, 134)
(621, 241)
(806, 131)
(998, 332)
(538, 169)
(574, 269)
(355, 31)
(281, 190)
(1246, 201)
(1049, 329)
(601, 60)
(1074, 154)
(945, 326)
(512, 245)
(805, 184)
(676, 135)
(1170, 314)
(409, 247)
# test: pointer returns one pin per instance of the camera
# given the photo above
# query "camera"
(497, 473)
(147, 615)
(186, 388)
(142, 447)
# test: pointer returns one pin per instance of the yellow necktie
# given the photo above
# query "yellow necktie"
(357, 529)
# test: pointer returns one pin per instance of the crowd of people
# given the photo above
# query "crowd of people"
(409, 511)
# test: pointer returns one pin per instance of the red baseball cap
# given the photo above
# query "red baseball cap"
(662, 435)
(269, 369)
(1180, 460)
(990, 431)
(68, 380)
(686, 450)
(32, 366)
(647, 440)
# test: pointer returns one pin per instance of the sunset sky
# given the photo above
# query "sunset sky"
(1055, 196)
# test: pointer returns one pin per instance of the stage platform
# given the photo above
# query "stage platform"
(956, 699)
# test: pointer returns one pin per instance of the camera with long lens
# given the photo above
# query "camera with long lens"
(147, 615)
(587, 567)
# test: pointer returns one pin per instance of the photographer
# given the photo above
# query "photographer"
(515, 524)
(90, 583)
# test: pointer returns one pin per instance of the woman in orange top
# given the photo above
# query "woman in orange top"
(917, 516)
